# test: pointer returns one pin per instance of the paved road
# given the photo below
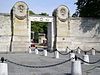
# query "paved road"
(38, 60)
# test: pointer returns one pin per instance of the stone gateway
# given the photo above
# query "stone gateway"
(63, 31)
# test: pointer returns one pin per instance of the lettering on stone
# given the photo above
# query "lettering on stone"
(41, 19)
(47, 19)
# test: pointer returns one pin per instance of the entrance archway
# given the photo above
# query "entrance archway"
(50, 30)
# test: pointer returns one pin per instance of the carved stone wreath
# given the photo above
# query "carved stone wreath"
(62, 13)
(20, 11)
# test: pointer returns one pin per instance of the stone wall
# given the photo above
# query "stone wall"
(84, 33)
(74, 32)
(5, 32)
(65, 31)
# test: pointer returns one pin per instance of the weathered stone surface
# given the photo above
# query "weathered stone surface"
(20, 27)
(5, 32)
(61, 27)
(5, 24)
(84, 32)
(77, 32)
(84, 26)
(65, 31)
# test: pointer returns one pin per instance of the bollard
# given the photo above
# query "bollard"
(86, 58)
(45, 52)
(56, 54)
(3, 67)
(30, 51)
(78, 51)
(76, 68)
(93, 51)
(72, 55)
(36, 51)
(67, 50)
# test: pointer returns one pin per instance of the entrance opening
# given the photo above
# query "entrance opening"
(41, 31)
(39, 34)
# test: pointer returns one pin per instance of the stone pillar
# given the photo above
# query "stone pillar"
(20, 28)
(61, 15)
(50, 36)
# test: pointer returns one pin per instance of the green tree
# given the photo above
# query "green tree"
(31, 12)
(36, 37)
(45, 14)
(38, 27)
(87, 8)
(44, 24)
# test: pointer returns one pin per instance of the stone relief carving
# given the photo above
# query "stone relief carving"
(62, 13)
(20, 10)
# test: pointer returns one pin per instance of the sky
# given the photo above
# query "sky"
(39, 6)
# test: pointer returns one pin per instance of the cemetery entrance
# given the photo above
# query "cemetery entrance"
(45, 40)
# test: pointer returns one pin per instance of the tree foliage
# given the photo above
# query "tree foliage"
(87, 8)
(38, 27)
(31, 12)
(44, 14)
